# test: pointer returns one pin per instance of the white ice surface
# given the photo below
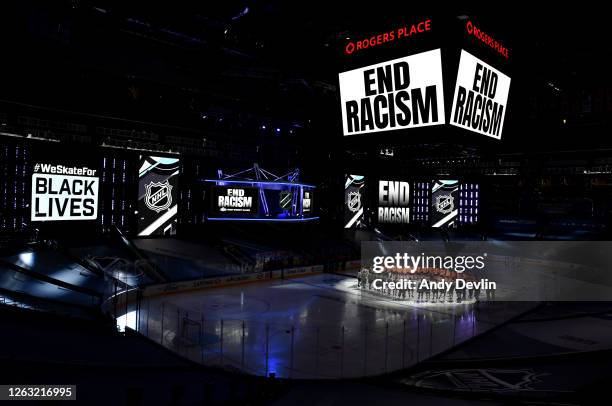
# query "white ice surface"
(319, 326)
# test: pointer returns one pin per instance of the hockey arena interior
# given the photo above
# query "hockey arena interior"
(288, 203)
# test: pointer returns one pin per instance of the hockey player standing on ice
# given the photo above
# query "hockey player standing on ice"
(451, 293)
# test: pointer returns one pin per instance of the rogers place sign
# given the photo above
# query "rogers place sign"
(486, 39)
(389, 36)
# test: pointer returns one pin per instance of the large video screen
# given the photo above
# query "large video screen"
(393, 202)
(307, 201)
(481, 97)
(235, 200)
(64, 192)
(354, 199)
(158, 195)
(444, 203)
(397, 94)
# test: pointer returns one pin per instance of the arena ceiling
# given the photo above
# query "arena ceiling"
(276, 60)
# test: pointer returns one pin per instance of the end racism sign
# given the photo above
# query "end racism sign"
(397, 94)
(393, 202)
(481, 96)
(64, 193)
(235, 200)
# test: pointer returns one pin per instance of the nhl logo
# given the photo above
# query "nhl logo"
(158, 196)
(480, 380)
(354, 201)
(445, 204)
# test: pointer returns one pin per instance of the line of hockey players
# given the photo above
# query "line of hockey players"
(420, 293)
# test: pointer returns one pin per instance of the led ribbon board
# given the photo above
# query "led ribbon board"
(61, 192)
(397, 94)
(444, 202)
(158, 195)
(354, 199)
(481, 97)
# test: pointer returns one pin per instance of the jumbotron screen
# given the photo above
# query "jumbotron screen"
(481, 97)
(393, 202)
(397, 94)
(247, 200)
(158, 195)
(444, 203)
(307, 201)
(235, 200)
(354, 201)
(64, 192)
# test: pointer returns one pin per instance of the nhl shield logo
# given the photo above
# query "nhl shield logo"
(158, 196)
(354, 201)
(445, 204)
(479, 380)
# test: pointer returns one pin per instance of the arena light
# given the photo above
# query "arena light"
(241, 14)
(27, 259)
(127, 320)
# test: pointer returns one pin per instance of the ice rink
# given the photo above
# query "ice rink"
(320, 326)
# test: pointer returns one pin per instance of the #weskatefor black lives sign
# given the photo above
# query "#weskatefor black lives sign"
(392, 95)
(481, 96)
(62, 192)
